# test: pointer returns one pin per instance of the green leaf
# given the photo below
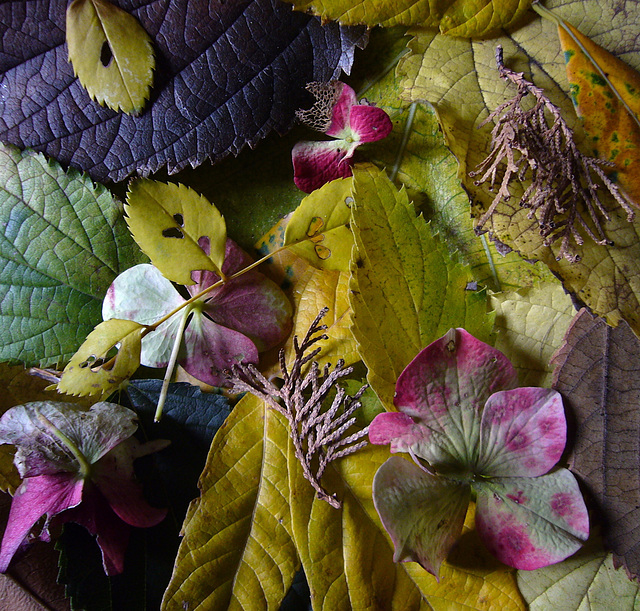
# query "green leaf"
(458, 18)
(237, 547)
(318, 229)
(530, 325)
(174, 225)
(93, 370)
(587, 581)
(460, 79)
(111, 54)
(406, 291)
(62, 242)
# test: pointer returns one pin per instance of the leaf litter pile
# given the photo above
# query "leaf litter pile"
(319, 305)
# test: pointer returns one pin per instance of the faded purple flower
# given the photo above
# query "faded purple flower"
(467, 428)
(77, 466)
(337, 114)
(229, 325)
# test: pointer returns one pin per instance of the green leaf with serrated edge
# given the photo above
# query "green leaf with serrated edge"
(111, 54)
(460, 79)
(237, 548)
(530, 325)
(458, 17)
(93, 370)
(415, 156)
(62, 242)
(173, 225)
(587, 581)
(406, 291)
(318, 228)
(348, 557)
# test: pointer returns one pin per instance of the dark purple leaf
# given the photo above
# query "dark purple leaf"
(226, 75)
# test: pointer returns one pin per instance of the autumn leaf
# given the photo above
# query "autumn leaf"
(173, 225)
(465, 88)
(606, 95)
(405, 288)
(111, 54)
(257, 56)
(468, 18)
(595, 371)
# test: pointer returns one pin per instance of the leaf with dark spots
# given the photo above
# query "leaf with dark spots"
(227, 74)
(597, 373)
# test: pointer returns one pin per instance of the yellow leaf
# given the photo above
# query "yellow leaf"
(460, 79)
(171, 223)
(237, 550)
(530, 325)
(476, 18)
(94, 370)
(310, 289)
(406, 291)
(318, 229)
(111, 54)
(606, 94)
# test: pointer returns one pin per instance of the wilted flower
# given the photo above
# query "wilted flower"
(337, 114)
(77, 466)
(467, 428)
(229, 325)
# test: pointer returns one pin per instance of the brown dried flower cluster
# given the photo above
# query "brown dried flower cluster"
(563, 195)
(317, 434)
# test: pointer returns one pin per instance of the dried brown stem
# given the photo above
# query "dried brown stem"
(317, 433)
(525, 147)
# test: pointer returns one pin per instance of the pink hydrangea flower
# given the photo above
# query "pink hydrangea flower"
(77, 467)
(337, 114)
(231, 324)
(468, 428)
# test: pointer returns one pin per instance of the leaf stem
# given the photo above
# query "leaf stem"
(85, 466)
(405, 138)
(492, 265)
(171, 365)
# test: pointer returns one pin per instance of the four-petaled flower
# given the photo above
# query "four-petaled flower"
(229, 325)
(467, 428)
(337, 114)
(77, 466)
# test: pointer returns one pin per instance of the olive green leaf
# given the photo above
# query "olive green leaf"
(460, 79)
(318, 229)
(406, 290)
(111, 54)
(179, 230)
(108, 357)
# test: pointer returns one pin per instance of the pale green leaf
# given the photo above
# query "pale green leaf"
(318, 229)
(588, 581)
(406, 291)
(530, 325)
(237, 550)
(111, 54)
(460, 79)
(94, 369)
(62, 242)
(173, 225)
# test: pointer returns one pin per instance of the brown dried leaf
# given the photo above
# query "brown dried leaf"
(597, 371)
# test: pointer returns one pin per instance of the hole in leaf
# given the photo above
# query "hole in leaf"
(172, 232)
(96, 362)
(178, 218)
(105, 54)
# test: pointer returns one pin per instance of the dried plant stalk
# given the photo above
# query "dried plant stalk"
(318, 435)
(563, 181)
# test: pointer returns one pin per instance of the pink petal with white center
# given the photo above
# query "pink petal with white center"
(35, 497)
(212, 348)
(369, 123)
(317, 163)
(340, 114)
(531, 522)
(445, 389)
(523, 433)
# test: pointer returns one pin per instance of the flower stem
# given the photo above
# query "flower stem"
(171, 365)
(85, 466)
